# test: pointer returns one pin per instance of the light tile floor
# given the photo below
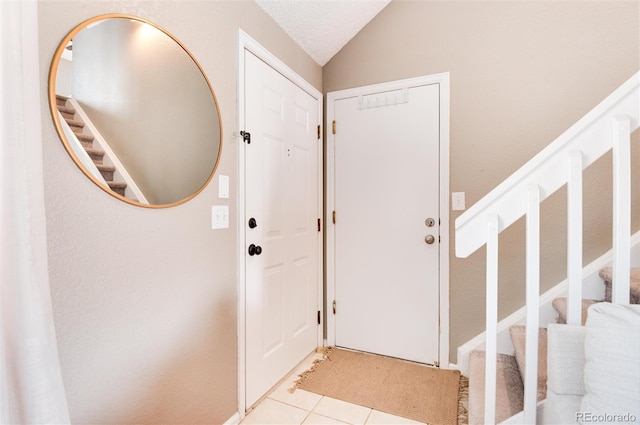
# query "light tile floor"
(283, 407)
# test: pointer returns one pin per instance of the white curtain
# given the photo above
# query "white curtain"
(31, 388)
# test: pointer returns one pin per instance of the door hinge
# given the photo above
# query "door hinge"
(318, 131)
(333, 127)
(318, 316)
(334, 306)
(319, 226)
(246, 136)
(333, 216)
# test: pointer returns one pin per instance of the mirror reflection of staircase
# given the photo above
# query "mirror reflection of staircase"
(86, 139)
(510, 368)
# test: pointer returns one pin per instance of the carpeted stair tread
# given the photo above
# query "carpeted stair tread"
(106, 171)
(97, 155)
(518, 337)
(74, 123)
(75, 128)
(104, 167)
(66, 110)
(61, 100)
(84, 137)
(509, 387)
(96, 152)
(117, 187)
(606, 274)
(560, 305)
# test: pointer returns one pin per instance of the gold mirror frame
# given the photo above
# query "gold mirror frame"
(55, 114)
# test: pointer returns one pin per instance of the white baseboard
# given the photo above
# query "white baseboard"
(233, 420)
(592, 288)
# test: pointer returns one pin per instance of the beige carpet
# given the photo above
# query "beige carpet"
(414, 391)
(509, 388)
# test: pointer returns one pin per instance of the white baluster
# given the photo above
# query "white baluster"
(621, 209)
(492, 320)
(574, 242)
(532, 301)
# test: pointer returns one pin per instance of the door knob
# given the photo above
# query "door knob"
(429, 239)
(252, 223)
(255, 250)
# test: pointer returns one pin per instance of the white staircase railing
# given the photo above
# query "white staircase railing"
(607, 127)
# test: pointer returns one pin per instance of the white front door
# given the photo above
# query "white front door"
(386, 234)
(282, 240)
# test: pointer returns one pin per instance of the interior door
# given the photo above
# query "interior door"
(387, 233)
(282, 237)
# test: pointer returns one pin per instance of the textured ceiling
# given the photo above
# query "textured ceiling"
(322, 27)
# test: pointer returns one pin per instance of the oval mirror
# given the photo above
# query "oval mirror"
(135, 111)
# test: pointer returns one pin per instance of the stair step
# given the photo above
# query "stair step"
(104, 167)
(634, 292)
(66, 110)
(74, 123)
(117, 187)
(96, 155)
(84, 137)
(61, 100)
(518, 337)
(509, 387)
(106, 171)
(560, 305)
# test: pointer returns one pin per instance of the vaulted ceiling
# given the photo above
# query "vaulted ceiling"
(322, 27)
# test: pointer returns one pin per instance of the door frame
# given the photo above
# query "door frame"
(245, 42)
(443, 299)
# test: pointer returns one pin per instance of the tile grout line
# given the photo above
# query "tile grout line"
(368, 416)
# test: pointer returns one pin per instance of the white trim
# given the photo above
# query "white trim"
(492, 230)
(443, 81)
(532, 303)
(621, 208)
(574, 238)
(233, 420)
(245, 42)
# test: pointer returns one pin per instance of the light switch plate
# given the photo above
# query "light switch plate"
(220, 217)
(223, 187)
(457, 201)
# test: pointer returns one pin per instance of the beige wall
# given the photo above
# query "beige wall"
(521, 73)
(145, 300)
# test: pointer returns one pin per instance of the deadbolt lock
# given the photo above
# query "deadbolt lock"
(430, 222)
